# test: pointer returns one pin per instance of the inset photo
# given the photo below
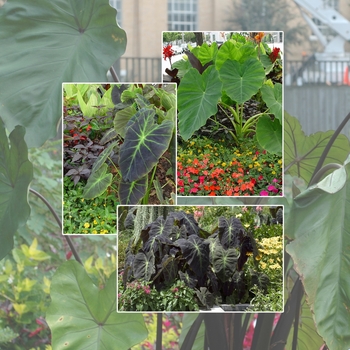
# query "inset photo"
(119, 147)
(230, 111)
(200, 258)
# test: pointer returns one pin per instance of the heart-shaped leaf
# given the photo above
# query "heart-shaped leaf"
(198, 96)
(145, 141)
(56, 41)
(224, 262)
(319, 222)
(97, 183)
(16, 173)
(269, 134)
(301, 152)
(273, 99)
(83, 316)
(242, 80)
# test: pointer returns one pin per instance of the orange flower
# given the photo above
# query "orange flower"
(259, 37)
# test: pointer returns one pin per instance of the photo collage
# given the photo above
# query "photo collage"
(187, 173)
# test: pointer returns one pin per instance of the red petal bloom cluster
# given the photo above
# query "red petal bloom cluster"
(274, 54)
(168, 52)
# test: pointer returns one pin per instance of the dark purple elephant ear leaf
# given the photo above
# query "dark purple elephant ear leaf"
(145, 142)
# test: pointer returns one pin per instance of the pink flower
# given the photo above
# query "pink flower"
(264, 193)
(272, 188)
(259, 208)
(193, 190)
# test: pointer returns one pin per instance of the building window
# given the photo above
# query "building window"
(117, 4)
(182, 15)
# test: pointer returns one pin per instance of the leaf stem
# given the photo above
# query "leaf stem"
(59, 222)
(328, 147)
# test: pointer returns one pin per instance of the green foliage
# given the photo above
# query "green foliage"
(88, 34)
(228, 77)
(16, 172)
(303, 152)
(95, 216)
(320, 214)
(6, 335)
(24, 295)
(97, 323)
(141, 296)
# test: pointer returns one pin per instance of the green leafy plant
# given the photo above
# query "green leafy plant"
(92, 35)
(224, 79)
(144, 123)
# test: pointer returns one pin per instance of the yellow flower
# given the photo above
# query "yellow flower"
(95, 222)
(94, 232)
(223, 164)
(86, 225)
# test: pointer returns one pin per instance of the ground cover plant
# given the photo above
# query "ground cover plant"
(208, 168)
(232, 92)
(174, 264)
(117, 143)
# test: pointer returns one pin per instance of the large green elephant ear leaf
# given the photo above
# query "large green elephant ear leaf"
(144, 143)
(16, 173)
(319, 223)
(301, 152)
(197, 99)
(56, 41)
(273, 99)
(242, 80)
(83, 316)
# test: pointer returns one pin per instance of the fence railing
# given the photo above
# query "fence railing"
(143, 70)
(310, 71)
(317, 72)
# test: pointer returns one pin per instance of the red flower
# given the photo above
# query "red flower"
(274, 54)
(168, 52)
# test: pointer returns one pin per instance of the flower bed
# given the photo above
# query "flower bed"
(210, 168)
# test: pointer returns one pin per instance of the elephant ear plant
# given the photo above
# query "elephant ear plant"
(226, 78)
(174, 248)
(56, 42)
(144, 125)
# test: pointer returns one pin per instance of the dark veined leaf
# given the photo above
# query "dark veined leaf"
(145, 141)
(132, 192)
(97, 183)
(224, 262)
(319, 223)
(242, 80)
(198, 96)
(143, 266)
(83, 316)
(16, 173)
(231, 232)
(196, 252)
(301, 152)
(56, 41)
(187, 221)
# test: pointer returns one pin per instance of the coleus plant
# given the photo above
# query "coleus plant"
(144, 126)
(224, 78)
(175, 247)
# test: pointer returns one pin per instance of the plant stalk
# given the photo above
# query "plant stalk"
(59, 222)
